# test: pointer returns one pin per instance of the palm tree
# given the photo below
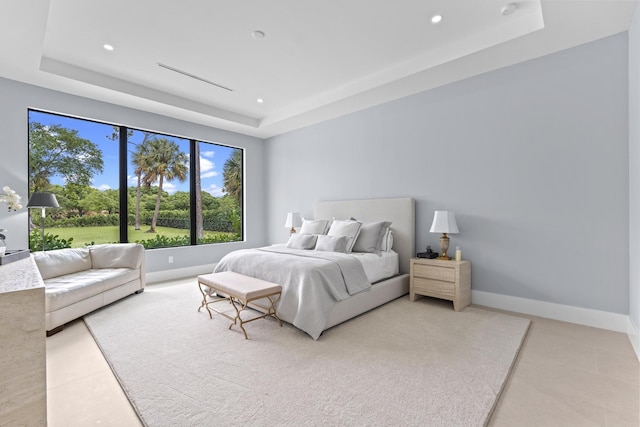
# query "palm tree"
(232, 175)
(164, 161)
(140, 160)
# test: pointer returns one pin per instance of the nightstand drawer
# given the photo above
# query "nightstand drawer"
(436, 288)
(436, 273)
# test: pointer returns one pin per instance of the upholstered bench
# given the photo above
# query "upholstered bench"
(239, 290)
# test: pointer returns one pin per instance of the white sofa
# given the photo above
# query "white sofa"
(80, 280)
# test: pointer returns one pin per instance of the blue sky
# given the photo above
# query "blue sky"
(212, 156)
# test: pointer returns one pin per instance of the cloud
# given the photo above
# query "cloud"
(103, 187)
(206, 165)
(207, 154)
(209, 174)
(214, 190)
(168, 187)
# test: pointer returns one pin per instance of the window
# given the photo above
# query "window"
(119, 184)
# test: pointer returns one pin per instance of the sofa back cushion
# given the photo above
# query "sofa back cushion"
(62, 261)
(117, 255)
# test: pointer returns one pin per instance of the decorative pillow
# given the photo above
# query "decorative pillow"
(301, 241)
(370, 237)
(387, 241)
(318, 226)
(350, 229)
(332, 243)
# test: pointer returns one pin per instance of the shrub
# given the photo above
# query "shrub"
(51, 241)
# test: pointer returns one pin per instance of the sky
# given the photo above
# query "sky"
(212, 156)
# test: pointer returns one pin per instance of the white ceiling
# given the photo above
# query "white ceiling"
(319, 58)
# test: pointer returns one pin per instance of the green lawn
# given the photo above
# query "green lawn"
(109, 234)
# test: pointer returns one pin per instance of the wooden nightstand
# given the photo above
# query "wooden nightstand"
(450, 280)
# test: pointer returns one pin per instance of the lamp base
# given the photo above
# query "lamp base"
(444, 245)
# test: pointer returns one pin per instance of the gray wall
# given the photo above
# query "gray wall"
(634, 174)
(532, 159)
(16, 98)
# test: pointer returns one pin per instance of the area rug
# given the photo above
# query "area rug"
(405, 363)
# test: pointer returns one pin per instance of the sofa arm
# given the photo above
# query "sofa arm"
(117, 255)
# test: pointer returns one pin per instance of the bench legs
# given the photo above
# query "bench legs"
(269, 310)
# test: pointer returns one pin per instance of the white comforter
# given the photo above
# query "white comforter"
(312, 282)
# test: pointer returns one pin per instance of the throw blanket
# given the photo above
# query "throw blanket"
(312, 282)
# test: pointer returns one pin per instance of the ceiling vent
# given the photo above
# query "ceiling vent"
(193, 76)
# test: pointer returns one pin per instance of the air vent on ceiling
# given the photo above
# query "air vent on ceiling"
(193, 76)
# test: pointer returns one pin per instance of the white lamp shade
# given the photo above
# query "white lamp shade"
(294, 219)
(444, 222)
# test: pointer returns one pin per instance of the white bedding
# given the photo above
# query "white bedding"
(379, 266)
(312, 281)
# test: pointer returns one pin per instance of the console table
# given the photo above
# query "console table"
(23, 378)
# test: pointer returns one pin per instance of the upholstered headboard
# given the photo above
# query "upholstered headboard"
(400, 211)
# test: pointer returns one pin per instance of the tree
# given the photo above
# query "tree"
(232, 176)
(140, 160)
(165, 161)
(54, 150)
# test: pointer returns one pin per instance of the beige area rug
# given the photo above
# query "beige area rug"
(403, 364)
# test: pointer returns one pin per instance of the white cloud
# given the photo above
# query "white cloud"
(207, 153)
(214, 190)
(209, 174)
(103, 187)
(206, 165)
(169, 187)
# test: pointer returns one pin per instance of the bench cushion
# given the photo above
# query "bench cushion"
(244, 288)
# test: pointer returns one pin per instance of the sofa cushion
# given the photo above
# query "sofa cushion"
(114, 277)
(62, 261)
(121, 255)
(69, 289)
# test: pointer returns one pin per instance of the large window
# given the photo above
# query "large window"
(119, 184)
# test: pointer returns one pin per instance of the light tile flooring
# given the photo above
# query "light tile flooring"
(565, 375)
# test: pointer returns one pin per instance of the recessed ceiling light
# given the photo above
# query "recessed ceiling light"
(436, 18)
(108, 47)
(258, 34)
(259, 100)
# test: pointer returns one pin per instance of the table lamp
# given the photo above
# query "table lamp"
(294, 219)
(444, 222)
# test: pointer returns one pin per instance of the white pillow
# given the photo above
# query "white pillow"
(332, 243)
(370, 237)
(350, 229)
(301, 241)
(318, 226)
(387, 241)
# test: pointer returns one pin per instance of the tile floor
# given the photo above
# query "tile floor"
(565, 375)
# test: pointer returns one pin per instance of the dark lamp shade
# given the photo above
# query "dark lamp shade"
(43, 200)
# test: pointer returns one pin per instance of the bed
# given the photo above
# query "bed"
(313, 308)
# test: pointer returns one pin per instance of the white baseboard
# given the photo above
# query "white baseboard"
(634, 336)
(178, 273)
(566, 313)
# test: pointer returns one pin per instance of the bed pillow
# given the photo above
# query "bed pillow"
(348, 228)
(332, 243)
(301, 241)
(387, 241)
(318, 226)
(370, 237)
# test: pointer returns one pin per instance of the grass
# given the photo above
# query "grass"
(109, 234)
